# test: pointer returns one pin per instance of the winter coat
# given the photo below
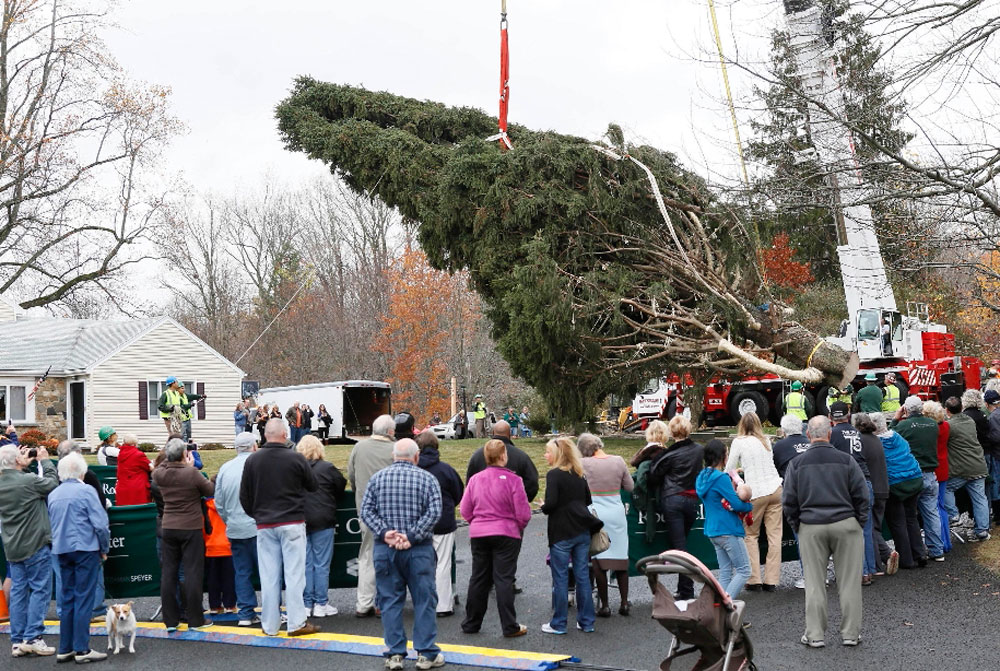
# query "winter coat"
(824, 486)
(900, 464)
(275, 480)
(965, 455)
(714, 486)
(451, 488)
(494, 504)
(132, 487)
(517, 461)
(678, 468)
(321, 505)
(921, 434)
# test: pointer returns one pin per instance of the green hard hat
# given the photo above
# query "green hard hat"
(105, 432)
(870, 377)
(849, 389)
(796, 385)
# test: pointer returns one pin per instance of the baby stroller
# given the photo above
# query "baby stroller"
(711, 624)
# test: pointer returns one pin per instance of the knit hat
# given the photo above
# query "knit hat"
(245, 441)
(105, 432)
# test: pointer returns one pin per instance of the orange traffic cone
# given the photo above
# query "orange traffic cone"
(4, 613)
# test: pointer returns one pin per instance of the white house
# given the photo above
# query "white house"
(110, 373)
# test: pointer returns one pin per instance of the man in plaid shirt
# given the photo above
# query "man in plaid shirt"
(401, 506)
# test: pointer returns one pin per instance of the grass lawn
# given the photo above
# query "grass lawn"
(454, 452)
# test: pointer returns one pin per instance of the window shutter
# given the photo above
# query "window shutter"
(143, 400)
(200, 390)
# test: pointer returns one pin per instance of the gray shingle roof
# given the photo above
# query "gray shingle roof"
(68, 345)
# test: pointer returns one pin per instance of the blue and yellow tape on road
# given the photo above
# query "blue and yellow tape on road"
(351, 644)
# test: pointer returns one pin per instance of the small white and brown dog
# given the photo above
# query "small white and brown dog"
(121, 623)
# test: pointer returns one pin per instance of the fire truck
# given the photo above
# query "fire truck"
(919, 351)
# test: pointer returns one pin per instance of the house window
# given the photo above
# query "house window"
(14, 403)
(157, 388)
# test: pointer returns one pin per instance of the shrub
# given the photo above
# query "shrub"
(33, 438)
(148, 447)
(212, 446)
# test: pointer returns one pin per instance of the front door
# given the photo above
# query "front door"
(77, 411)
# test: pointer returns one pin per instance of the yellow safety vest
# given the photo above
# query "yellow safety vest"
(795, 404)
(890, 400)
(187, 413)
(845, 398)
(173, 398)
(479, 411)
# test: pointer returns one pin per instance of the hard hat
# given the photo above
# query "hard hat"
(849, 389)
(890, 378)
(171, 380)
(871, 378)
(105, 432)
(796, 385)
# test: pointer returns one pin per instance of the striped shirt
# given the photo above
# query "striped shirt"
(402, 497)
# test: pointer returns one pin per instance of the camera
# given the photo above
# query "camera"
(32, 453)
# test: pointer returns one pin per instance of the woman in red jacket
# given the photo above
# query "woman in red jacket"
(132, 488)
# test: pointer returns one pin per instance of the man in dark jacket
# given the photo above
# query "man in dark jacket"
(791, 445)
(922, 433)
(825, 500)
(992, 448)
(272, 492)
(517, 461)
(444, 531)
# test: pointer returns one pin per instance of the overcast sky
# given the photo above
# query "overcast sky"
(575, 66)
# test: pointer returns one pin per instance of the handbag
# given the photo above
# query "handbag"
(599, 539)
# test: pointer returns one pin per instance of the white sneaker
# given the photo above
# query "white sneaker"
(90, 656)
(37, 647)
(427, 663)
(324, 610)
(800, 583)
(15, 651)
(394, 662)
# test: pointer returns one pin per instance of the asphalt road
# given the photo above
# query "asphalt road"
(946, 616)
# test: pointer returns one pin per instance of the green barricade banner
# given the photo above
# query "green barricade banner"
(108, 477)
(132, 569)
(346, 544)
(697, 543)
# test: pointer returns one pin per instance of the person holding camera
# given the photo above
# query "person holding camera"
(26, 536)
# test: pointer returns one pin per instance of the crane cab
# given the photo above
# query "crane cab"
(888, 334)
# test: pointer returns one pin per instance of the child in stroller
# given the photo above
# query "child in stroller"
(711, 624)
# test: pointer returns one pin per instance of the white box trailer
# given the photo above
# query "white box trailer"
(353, 404)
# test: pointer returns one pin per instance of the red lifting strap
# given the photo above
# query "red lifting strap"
(504, 83)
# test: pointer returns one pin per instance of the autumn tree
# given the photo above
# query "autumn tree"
(414, 336)
(78, 145)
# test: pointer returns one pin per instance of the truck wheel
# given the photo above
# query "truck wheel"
(746, 402)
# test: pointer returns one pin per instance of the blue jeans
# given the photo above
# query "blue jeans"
(395, 570)
(869, 566)
(99, 608)
(79, 572)
(30, 591)
(734, 563)
(319, 552)
(993, 464)
(282, 550)
(561, 553)
(244, 566)
(927, 502)
(977, 494)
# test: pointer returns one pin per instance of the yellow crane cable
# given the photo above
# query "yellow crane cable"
(729, 95)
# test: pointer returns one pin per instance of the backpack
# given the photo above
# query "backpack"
(646, 494)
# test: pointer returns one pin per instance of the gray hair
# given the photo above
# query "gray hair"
(130, 439)
(275, 430)
(244, 442)
(72, 467)
(791, 425)
(913, 405)
(588, 443)
(881, 426)
(66, 447)
(405, 449)
(8, 456)
(973, 398)
(174, 450)
(384, 425)
(818, 428)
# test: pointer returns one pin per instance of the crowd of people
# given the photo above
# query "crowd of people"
(270, 513)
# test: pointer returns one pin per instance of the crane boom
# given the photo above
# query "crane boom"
(865, 282)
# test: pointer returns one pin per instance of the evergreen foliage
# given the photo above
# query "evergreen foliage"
(564, 243)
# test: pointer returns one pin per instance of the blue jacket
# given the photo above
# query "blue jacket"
(239, 525)
(900, 464)
(451, 488)
(713, 486)
(79, 523)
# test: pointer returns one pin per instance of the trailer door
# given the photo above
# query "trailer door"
(362, 404)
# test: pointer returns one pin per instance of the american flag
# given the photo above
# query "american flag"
(38, 383)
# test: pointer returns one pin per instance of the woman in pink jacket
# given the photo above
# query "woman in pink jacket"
(497, 510)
